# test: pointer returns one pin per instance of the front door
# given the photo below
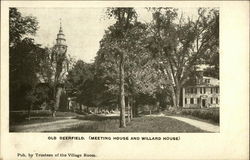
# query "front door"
(203, 102)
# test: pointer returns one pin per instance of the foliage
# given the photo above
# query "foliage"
(214, 67)
(208, 114)
(124, 17)
(30, 63)
(78, 80)
(49, 66)
(140, 73)
(179, 44)
(88, 87)
(43, 93)
(24, 57)
(24, 60)
(20, 26)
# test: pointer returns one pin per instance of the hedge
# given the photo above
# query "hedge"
(207, 114)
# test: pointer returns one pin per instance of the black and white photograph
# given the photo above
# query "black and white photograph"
(114, 69)
(124, 80)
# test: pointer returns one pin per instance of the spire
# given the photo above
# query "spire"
(60, 40)
(60, 30)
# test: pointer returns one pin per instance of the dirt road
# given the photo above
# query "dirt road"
(48, 126)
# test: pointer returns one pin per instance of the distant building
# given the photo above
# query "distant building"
(202, 93)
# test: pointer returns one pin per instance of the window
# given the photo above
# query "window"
(200, 90)
(185, 100)
(195, 90)
(217, 101)
(204, 90)
(217, 90)
(207, 80)
(191, 100)
(211, 90)
(211, 100)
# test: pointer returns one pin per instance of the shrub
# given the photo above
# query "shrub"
(207, 114)
(172, 109)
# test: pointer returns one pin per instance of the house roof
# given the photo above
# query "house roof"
(213, 83)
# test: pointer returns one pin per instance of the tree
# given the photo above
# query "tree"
(214, 67)
(24, 55)
(124, 18)
(24, 58)
(80, 79)
(20, 26)
(88, 82)
(53, 68)
(140, 73)
(180, 44)
(43, 93)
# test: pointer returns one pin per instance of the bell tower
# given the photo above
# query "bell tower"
(61, 46)
(60, 58)
(59, 54)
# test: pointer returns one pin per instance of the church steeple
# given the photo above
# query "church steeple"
(60, 40)
(61, 46)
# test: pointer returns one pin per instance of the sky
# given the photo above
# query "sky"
(83, 27)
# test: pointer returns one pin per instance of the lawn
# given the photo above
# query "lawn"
(20, 117)
(99, 123)
(139, 124)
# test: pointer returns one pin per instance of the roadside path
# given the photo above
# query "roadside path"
(199, 124)
(66, 122)
(49, 126)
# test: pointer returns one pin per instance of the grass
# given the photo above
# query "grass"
(139, 124)
(99, 123)
(38, 120)
(20, 118)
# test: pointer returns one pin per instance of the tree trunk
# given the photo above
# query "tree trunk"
(81, 107)
(122, 94)
(135, 110)
(132, 106)
(173, 96)
(57, 98)
(131, 111)
(87, 109)
(158, 106)
(29, 110)
(128, 112)
(177, 95)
